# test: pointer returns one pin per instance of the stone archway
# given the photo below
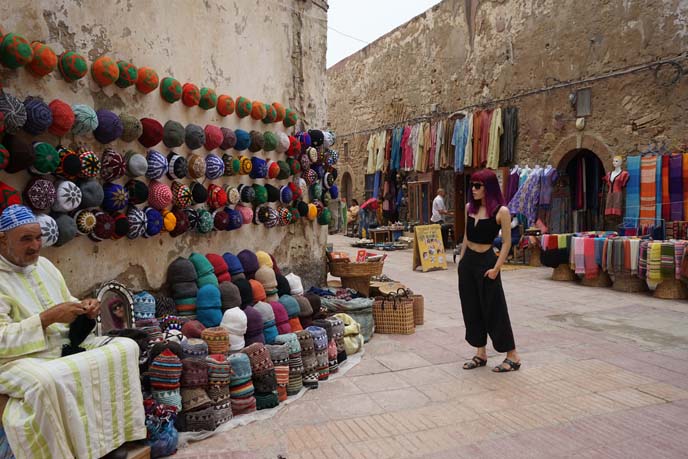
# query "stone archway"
(347, 187)
(567, 148)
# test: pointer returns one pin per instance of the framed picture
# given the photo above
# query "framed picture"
(116, 307)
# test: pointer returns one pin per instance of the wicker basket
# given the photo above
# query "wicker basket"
(393, 314)
(672, 289)
(629, 283)
(367, 269)
(564, 273)
(418, 309)
(601, 280)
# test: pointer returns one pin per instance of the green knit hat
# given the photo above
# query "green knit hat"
(15, 51)
(269, 141)
(131, 127)
(325, 217)
(72, 66)
(291, 118)
(285, 171)
(261, 194)
(201, 264)
(105, 71)
(47, 158)
(208, 99)
(243, 107)
(170, 90)
(205, 221)
(270, 114)
(128, 74)
(147, 80)
(44, 60)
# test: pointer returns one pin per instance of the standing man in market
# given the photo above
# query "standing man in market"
(439, 210)
(55, 406)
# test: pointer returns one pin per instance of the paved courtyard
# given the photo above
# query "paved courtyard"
(604, 375)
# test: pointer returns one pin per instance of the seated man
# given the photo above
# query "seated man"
(84, 405)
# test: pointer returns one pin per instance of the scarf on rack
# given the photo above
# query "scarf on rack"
(654, 261)
(599, 244)
(642, 259)
(578, 253)
(679, 250)
(633, 187)
(634, 245)
(685, 184)
(648, 172)
(666, 264)
(591, 269)
(676, 186)
(666, 198)
(626, 244)
(658, 184)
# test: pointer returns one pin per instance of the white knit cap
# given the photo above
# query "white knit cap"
(234, 321)
(295, 284)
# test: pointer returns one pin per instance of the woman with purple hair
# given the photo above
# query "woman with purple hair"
(480, 285)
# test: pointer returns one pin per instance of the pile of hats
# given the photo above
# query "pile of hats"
(331, 345)
(181, 280)
(241, 388)
(164, 374)
(296, 369)
(263, 376)
(320, 343)
(279, 354)
(219, 374)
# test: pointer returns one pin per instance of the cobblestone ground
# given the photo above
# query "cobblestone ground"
(604, 376)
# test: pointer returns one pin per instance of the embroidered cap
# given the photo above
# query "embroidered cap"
(15, 216)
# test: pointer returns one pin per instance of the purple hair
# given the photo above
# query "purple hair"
(493, 194)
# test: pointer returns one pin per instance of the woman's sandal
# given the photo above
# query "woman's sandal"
(475, 362)
(512, 366)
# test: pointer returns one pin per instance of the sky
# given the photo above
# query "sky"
(353, 24)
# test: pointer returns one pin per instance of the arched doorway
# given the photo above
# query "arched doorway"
(578, 195)
(347, 188)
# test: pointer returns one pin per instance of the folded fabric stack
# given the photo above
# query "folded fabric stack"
(194, 347)
(219, 378)
(291, 305)
(217, 339)
(310, 364)
(295, 383)
(331, 345)
(234, 321)
(279, 354)
(241, 388)
(205, 273)
(263, 375)
(268, 317)
(338, 333)
(320, 345)
(181, 278)
(164, 375)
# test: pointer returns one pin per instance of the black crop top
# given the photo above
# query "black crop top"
(484, 232)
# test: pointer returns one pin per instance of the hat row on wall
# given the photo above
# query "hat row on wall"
(40, 60)
(58, 118)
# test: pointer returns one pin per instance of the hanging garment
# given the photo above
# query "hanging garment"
(468, 151)
(406, 149)
(676, 187)
(380, 145)
(549, 178)
(459, 138)
(648, 188)
(416, 140)
(614, 203)
(527, 198)
(666, 198)
(485, 121)
(388, 150)
(512, 186)
(495, 137)
(439, 140)
(432, 149)
(658, 184)
(507, 149)
(633, 187)
(372, 153)
(395, 156)
(477, 136)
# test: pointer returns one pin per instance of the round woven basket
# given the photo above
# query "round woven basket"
(601, 280)
(367, 269)
(629, 283)
(563, 273)
(672, 289)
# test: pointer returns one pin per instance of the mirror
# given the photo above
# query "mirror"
(116, 307)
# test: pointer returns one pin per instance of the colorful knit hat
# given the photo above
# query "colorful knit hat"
(220, 268)
(72, 66)
(131, 127)
(228, 138)
(197, 166)
(205, 221)
(243, 106)
(156, 165)
(181, 195)
(128, 74)
(104, 71)
(259, 356)
(90, 163)
(192, 329)
(62, 118)
(170, 90)
(270, 114)
(249, 261)
(15, 51)
(217, 339)
(153, 221)
(144, 306)
(39, 194)
(281, 317)
(152, 132)
(231, 297)
(44, 60)
(109, 126)
(169, 220)
(257, 141)
(115, 197)
(243, 140)
(194, 398)
(38, 116)
(258, 110)
(49, 230)
(208, 99)
(194, 347)
(67, 196)
(177, 166)
(46, 159)
(182, 223)
(137, 223)
(191, 95)
(159, 195)
(214, 166)
(254, 323)
(225, 105)
(165, 371)
(213, 137)
(147, 80)
(258, 290)
(209, 306)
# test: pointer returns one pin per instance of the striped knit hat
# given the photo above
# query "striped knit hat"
(295, 383)
(170, 397)
(320, 343)
(262, 368)
(279, 354)
(192, 329)
(223, 406)
(165, 371)
(199, 421)
(194, 372)
(218, 369)
(310, 364)
(338, 335)
(171, 322)
(217, 339)
(241, 388)
(195, 399)
(194, 347)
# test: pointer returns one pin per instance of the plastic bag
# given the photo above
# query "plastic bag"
(162, 435)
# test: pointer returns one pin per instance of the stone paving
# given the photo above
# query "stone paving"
(604, 375)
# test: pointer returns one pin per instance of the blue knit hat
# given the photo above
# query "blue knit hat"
(209, 306)
(259, 168)
(291, 305)
(15, 216)
(233, 263)
(116, 197)
(153, 222)
(144, 306)
(235, 219)
(243, 140)
(241, 367)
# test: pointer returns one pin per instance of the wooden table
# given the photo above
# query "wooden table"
(381, 235)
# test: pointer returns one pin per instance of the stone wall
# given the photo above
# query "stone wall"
(534, 53)
(268, 50)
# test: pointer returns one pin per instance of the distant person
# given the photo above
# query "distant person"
(343, 215)
(352, 214)
(480, 284)
(439, 210)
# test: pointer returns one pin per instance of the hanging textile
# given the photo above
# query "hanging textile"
(658, 192)
(526, 199)
(446, 156)
(614, 204)
(666, 199)
(380, 146)
(549, 177)
(395, 156)
(485, 124)
(431, 150)
(560, 217)
(372, 152)
(406, 149)
(676, 186)
(477, 135)
(439, 140)
(459, 138)
(495, 137)
(507, 148)
(512, 184)
(388, 150)
(633, 188)
(468, 153)
(648, 173)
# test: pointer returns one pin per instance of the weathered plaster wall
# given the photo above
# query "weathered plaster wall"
(463, 53)
(266, 50)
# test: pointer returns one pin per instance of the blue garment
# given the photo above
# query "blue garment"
(459, 138)
(395, 156)
(376, 184)
(599, 245)
(633, 187)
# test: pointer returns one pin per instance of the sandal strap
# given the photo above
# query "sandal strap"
(478, 360)
(511, 363)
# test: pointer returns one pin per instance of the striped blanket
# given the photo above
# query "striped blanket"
(648, 172)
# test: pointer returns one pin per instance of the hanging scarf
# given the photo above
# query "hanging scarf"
(666, 198)
(633, 187)
(648, 188)
(666, 266)
(654, 262)
(676, 186)
(591, 269)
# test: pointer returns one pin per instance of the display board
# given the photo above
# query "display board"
(428, 249)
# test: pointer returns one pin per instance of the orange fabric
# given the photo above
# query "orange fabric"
(295, 324)
(648, 188)
(666, 198)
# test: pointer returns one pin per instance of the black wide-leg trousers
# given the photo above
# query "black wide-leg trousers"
(483, 303)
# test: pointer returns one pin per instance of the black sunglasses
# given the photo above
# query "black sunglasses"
(476, 185)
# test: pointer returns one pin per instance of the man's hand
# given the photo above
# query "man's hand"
(92, 307)
(63, 313)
